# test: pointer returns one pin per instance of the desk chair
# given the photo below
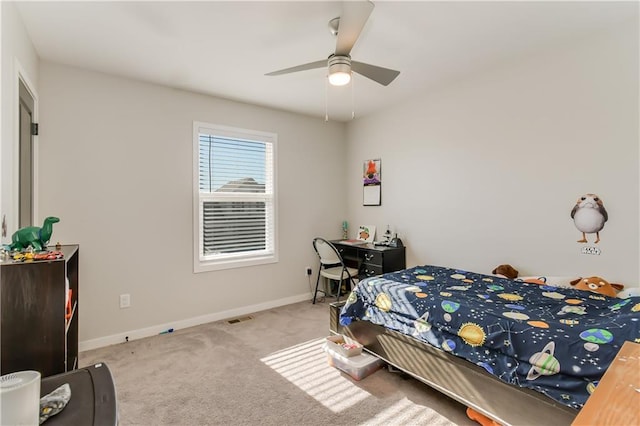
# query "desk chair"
(332, 266)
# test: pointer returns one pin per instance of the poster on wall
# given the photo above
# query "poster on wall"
(372, 180)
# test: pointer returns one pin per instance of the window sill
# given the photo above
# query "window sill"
(217, 265)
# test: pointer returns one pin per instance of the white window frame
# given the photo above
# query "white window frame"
(202, 263)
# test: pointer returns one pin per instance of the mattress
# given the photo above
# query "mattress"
(557, 341)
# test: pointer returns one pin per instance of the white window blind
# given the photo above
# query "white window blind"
(235, 197)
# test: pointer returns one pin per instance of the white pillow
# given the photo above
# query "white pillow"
(629, 292)
(565, 282)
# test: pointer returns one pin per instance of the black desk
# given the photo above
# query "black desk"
(93, 397)
(371, 260)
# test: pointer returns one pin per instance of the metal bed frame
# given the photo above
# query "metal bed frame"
(455, 377)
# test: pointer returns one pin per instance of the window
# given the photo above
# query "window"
(234, 197)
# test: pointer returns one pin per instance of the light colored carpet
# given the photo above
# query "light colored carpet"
(270, 370)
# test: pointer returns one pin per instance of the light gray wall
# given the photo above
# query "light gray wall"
(486, 171)
(18, 56)
(116, 167)
(481, 172)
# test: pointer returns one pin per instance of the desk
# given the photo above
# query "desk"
(616, 400)
(371, 260)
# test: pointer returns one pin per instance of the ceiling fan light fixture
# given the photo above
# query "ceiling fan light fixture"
(347, 29)
(340, 78)
(339, 70)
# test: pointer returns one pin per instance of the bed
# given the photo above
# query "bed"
(517, 352)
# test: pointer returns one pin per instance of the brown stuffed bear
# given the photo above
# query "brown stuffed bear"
(506, 271)
(597, 285)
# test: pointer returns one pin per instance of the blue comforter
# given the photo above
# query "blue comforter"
(557, 341)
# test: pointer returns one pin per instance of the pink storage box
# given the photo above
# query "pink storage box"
(358, 366)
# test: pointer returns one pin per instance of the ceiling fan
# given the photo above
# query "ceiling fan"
(347, 27)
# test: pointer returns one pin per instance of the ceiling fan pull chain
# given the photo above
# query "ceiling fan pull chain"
(326, 101)
(353, 108)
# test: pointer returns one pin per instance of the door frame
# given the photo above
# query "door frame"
(20, 75)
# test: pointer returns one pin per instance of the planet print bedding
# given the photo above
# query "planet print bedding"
(557, 341)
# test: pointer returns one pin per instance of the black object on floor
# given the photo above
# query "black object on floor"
(93, 397)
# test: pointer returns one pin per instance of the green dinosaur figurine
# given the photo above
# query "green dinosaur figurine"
(34, 236)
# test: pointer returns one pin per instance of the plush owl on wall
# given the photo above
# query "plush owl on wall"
(589, 216)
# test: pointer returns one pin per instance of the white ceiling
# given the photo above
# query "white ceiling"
(225, 48)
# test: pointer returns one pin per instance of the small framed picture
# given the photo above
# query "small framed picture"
(366, 233)
(372, 183)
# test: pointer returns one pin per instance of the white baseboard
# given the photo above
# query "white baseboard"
(189, 322)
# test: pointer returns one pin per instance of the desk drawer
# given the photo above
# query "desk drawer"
(369, 270)
(371, 257)
(348, 252)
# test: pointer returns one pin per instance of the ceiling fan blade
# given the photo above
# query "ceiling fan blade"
(354, 17)
(380, 75)
(309, 66)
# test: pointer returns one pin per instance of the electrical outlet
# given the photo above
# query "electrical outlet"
(125, 301)
(308, 270)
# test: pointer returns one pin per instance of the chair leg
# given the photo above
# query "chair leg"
(352, 283)
(344, 282)
(315, 293)
(348, 281)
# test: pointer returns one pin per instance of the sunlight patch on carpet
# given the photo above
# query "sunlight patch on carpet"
(306, 366)
(405, 412)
